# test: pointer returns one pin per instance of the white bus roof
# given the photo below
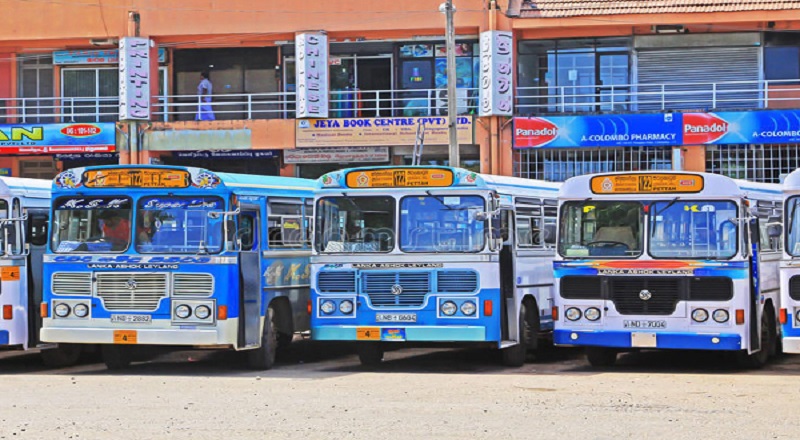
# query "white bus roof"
(714, 185)
(17, 186)
(519, 182)
(792, 181)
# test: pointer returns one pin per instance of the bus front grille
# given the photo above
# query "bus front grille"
(131, 291)
(644, 296)
(392, 289)
(192, 285)
(336, 281)
(710, 289)
(581, 287)
(794, 288)
(457, 281)
(72, 283)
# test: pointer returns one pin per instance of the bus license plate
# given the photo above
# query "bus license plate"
(396, 317)
(132, 319)
(644, 324)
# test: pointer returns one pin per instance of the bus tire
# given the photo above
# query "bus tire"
(263, 357)
(370, 353)
(768, 334)
(601, 356)
(516, 355)
(62, 356)
(116, 357)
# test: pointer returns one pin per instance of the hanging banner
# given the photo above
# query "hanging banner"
(134, 79)
(666, 129)
(102, 56)
(57, 138)
(337, 155)
(496, 92)
(311, 67)
(375, 132)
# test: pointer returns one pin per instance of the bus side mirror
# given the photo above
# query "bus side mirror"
(774, 230)
(36, 231)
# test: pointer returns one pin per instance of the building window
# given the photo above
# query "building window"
(36, 88)
(584, 75)
(90, 94)
(559, 164)
(758, 163)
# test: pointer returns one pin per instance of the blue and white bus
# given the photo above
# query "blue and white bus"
(668, 260)
(24, 213)
(790, 266)
(174, 256)
(432, 255)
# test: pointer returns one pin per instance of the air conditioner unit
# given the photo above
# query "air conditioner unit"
(462, 102)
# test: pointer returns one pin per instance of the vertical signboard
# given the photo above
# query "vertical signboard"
(312, 75)
(496, 91)
(134, 79)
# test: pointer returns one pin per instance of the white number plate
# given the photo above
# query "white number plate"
(132, 319)
(396, 317)
(644, 324)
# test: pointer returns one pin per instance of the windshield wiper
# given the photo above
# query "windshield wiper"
(791, 216)
(655, 213)
(439, 199)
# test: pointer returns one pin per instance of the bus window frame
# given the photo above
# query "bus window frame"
(131, 201)
(650, 209)
(642, 232)
(398, 221)
(395, 224)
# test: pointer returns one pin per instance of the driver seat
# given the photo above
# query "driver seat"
(620, 234)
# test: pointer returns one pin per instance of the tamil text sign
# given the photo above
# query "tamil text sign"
(496, 91)
(57, 138)
(369, 132)
(134, 79)
(337, 155)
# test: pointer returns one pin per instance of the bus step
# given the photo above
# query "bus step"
(506, 344)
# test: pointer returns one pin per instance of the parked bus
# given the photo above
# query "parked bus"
(790, 266)
(177, 256)
(432, 255)
(24, 211)
(668, 260)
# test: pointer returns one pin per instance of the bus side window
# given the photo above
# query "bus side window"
(285, 225)
(247, 231)
(36, 233)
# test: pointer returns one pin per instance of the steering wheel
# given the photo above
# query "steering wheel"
(607, 243)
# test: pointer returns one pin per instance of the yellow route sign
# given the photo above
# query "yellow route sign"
(650, 183)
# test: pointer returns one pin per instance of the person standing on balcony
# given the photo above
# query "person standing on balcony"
(204, 90)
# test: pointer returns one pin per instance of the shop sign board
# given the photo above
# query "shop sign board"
(311, 70)
(134, 79)
(337, 155)
(226, 154)
(662, 129)
(374, 132)
(97, 137)
(101, 56)
(497, 66)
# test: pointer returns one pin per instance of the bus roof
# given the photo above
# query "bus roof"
(177, 177)
(673, 183)
(433, 176)
(17, 186)
(792, 181)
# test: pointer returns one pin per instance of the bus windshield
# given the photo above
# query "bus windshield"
(601, 229)
(693, 229)
(442, 224)
(171, 224)
(91, 224)
(355, 224)
(793, 226)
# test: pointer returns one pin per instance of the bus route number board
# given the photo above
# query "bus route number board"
(126, 337)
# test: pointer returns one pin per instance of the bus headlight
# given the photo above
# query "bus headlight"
(62, 310)
(449, 308)
(202, 312)
(81, 310)
(797, 315)
(346, 307)
(327, 307)
(468, 308)
(183, 311)
(700, 315)
(592, 314)
(573, 313)
(720, 315)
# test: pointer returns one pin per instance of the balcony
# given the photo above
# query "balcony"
(250, 106)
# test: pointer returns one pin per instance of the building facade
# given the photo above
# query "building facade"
(565, 88)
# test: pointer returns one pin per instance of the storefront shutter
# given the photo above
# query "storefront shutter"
(689, 76)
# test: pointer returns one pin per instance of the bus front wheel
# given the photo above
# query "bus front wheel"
(768, 337)
(370, 353)
(601, 356)
(516, 355)
(263, 357)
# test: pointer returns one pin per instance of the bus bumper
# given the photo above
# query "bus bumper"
(623, 339)
(399, 334)
(4, 337)
(791, 345)
(144, 336)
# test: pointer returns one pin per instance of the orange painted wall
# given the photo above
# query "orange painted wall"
(784, 96)
(266, 134)
(694, 158)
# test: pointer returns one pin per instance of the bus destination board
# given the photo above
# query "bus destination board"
(650, 183)
(399, 178)
(136, 178)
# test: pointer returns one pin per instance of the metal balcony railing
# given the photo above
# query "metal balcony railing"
(425, 102)
(659, 97)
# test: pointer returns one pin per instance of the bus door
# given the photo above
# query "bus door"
(510, 316)
(36, 239)
(755, 284)
(249, 221)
